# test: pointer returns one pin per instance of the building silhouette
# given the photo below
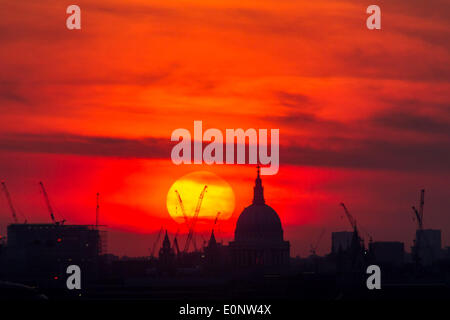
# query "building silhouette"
(216, 255)
(166, 262)
(258, 238)
(42, 252)
(256, 262)
(341, 241)
(427, 247)
(387, 254)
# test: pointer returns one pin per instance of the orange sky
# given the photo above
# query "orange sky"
(364, 116)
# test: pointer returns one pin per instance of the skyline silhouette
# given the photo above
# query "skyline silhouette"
(356, 108)
(34, 258)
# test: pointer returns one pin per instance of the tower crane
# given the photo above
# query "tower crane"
(182, 208)
(357, 240)
(350, 217)
(194, 219)
(156, 241)
(217, 217)
(175, 243)
(49, 207)
(10, 203)
(97, 210)
(314, 246)
(419, 213)
(216, 220)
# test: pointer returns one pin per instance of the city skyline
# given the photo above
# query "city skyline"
(363, 114)
(321, 239)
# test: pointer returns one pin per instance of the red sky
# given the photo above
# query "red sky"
(364, 116)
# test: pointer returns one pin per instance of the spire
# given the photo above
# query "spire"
(166, 242)
(212, 240)
(258, 189)
(175, 245)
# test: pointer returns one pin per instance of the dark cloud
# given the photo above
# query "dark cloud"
(409, 105)
(10, 92)
(412, 122)
(433, 9)
(134, 10)
(377, 146)
(331, 152)
(301, 113)
(79, 79)
(380, 62)
(86, 145)
(370, 154)
(293, 100)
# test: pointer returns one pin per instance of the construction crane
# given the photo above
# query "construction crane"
(194, 219)
(156, 241)
(49, 207)
(419, 213)
(314, 246)
(186, 219)
(217, 218)
(182, 208)
(10, 203)
(205, 242)
(357, 240)
(175, 243)
(350, 218)
(97, 210)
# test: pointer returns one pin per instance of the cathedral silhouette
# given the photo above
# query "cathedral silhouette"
(258, 237)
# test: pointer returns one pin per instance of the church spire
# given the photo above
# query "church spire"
(258, 189)
(166, 241)
(212, 240)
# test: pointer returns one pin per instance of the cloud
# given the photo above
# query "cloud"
(370, 154)
(412, 122)
(330, 152)
(134, 10)
(10, 92)
(293, 100)
(434, 9)
(150, 148)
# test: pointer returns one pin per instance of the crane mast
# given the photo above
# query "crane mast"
(349, 217)
(352, 220)
(357, 244)
(182, 208)
(175, 243)
(194, 219)
(156, 241)
(49, 206)
(10, 203)
(314, 247)
(97, 210)
(419, 213)
(217, 217)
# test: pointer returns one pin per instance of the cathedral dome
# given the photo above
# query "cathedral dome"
(258, 222)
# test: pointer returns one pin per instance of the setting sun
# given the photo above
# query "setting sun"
(219, 197)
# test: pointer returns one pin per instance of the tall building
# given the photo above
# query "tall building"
(341, 241)
(44, 251)
(216, 255)
(258, 238)
(427, 247)
(166, 262)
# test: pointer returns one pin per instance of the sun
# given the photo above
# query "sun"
(219, 197)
